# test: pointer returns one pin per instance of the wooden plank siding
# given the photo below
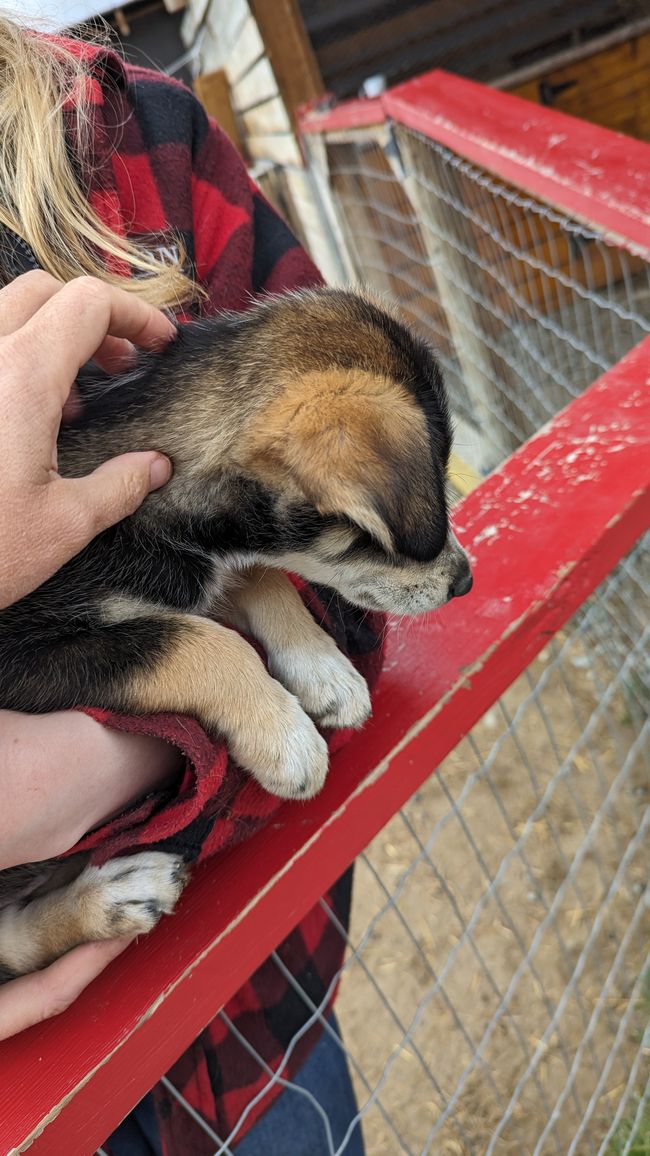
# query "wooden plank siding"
(269, 117)
(289, 51)
(255, 87)
(246, 50)
(610, 87)
(281, 148)
(236, 82)
(482, 39)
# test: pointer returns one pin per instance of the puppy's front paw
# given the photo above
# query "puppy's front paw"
(328, 686)
(128, 896)
(282, 748)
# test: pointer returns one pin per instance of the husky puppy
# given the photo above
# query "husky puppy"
(310, 434)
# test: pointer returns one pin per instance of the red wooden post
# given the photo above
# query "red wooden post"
(350, 114)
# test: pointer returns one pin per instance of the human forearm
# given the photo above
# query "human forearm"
(62, 774)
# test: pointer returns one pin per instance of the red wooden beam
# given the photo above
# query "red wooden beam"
(350, 114)
(599, 176)
(543, 532)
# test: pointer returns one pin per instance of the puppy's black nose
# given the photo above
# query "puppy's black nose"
(462, 584)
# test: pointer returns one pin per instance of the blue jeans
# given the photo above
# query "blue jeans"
(293, 1126)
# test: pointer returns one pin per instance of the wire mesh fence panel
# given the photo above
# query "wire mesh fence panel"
(495, 989)
(552, 304)
(520, 871)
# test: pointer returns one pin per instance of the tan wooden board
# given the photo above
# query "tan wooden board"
(213, 91)
(270, 117)
(245, 50)
(610, 88)
(282, 148)
(256, 87)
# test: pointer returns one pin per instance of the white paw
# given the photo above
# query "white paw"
(328, 686)
(282, 748)
(128, 896)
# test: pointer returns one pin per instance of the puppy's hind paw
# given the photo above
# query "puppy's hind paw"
(128, 896)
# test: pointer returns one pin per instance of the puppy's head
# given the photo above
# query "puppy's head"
(353, 448)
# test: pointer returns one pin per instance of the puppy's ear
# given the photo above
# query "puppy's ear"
(346, 440)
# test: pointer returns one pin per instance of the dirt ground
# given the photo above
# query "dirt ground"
(501, 920)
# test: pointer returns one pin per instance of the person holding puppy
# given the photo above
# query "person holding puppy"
(109, 167)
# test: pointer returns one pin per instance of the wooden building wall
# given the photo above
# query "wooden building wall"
(608, 83)
(230, 44)
(481, 39)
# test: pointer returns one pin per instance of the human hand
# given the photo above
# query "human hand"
(44, 994)
(47, 332)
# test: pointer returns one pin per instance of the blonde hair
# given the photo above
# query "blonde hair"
(40, 196)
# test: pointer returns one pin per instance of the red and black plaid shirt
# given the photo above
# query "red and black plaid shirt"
(161, 171)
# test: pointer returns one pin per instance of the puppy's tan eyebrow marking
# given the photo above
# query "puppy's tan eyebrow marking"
(348, 438)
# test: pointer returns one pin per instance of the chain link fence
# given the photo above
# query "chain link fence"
(495, 992)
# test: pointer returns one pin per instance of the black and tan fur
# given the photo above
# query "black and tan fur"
(309, 434)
